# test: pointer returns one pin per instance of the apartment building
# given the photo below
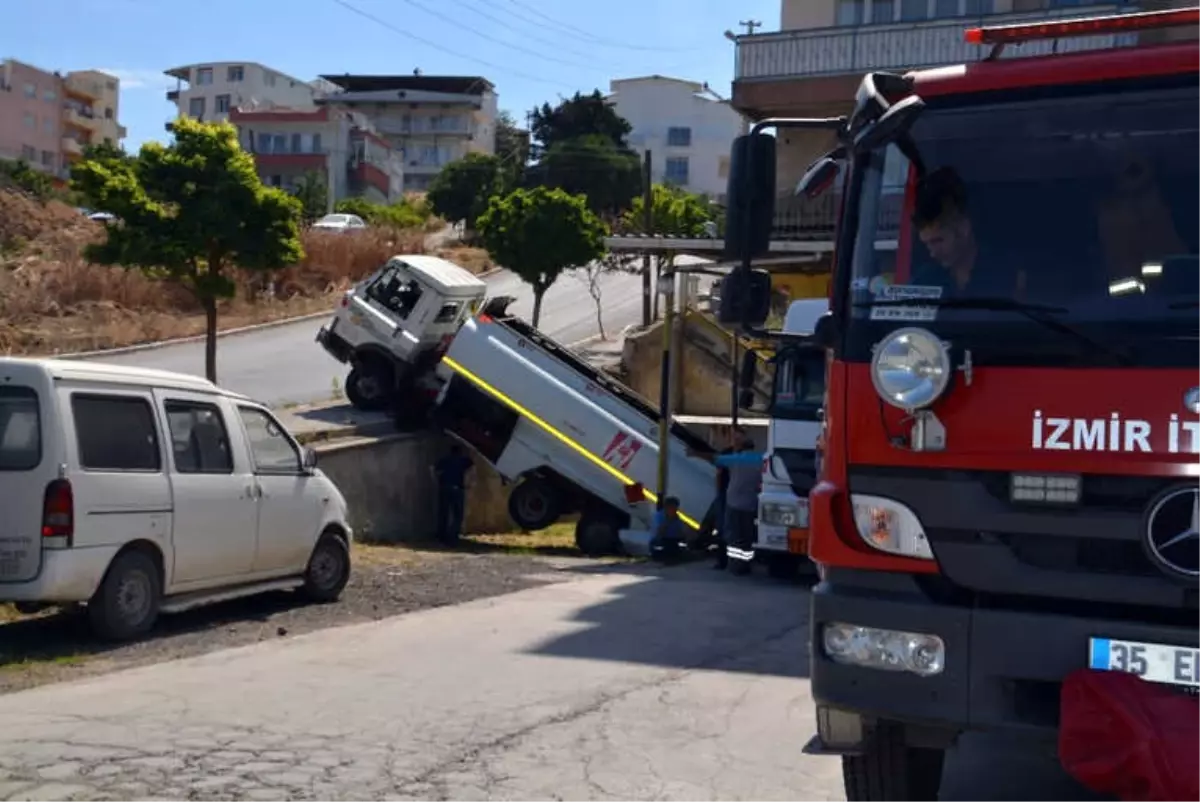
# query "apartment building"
(431, 120)
(687, 128)
(48, 118)
(811, 67)
(211, 91)
(338, 145)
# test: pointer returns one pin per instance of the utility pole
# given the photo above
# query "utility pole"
(648, 225)
(750, 25)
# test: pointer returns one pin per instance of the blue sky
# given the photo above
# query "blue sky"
(534, 50)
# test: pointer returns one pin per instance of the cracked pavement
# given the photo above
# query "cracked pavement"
(633, 683)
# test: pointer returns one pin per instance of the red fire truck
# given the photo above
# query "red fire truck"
(1009, 484)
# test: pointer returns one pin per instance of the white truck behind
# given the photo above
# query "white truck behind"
(573, 439)
(790, 461)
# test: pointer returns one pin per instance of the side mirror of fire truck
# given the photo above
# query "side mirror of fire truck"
(750, 196)
(821, 174)
(892, 124)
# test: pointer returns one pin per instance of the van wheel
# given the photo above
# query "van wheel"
(533, 504)
(890, 769)
(597, 535)
(125, 606)
(328, 570)
(369, 385)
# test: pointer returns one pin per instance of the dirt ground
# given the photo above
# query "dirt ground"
(56, 646)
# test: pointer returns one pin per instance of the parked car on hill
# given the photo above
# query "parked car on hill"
(340, 223)
(139, 491)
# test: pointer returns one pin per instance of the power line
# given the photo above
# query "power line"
(580, 32)
(501, 42)
(430, 43)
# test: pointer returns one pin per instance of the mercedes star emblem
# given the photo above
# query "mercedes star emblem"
(1173, 533)
(1191, 400)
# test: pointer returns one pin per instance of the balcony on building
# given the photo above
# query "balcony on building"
(72, 147)
(80, 86)
(81, 117)
(817, 70)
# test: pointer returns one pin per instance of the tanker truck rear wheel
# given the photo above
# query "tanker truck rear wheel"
(598, 535)
(534, 504)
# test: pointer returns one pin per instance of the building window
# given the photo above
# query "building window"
(297, 143)
(316, 143)
(677, 171)
(196, 107)
(945, 8)
(679, 137)
(48, 158)
(279, 144)
(882, 11)
(850, 12)
(49, 95)
(28, 153)
(30, 121)
(48, 125)
(109, 113)
(275, 180)
(222, 104)
(914, 10)
(112, 85)
(978, 8)
(30, 90)
(236, 73)
(264, 143)
(204, 76)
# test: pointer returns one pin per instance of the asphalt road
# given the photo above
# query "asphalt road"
(633, 682)
(284, 364)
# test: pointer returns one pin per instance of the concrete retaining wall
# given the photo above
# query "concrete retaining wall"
(390, 490)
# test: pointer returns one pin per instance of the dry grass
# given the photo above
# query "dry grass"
(476, 260)
(53, 301)
(8, 613)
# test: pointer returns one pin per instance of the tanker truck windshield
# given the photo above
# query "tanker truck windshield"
(1073, 210)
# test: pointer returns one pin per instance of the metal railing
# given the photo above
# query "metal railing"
(862, 48)
(814, 220)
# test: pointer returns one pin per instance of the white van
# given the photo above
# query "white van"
(142, 491)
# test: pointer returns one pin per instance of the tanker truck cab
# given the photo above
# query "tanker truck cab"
(790, 462)
(1008, 488)
(392, 327)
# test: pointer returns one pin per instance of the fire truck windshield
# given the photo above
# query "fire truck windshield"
(1080, 207)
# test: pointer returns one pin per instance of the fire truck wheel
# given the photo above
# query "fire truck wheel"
(888, 768)
(534, 504)
(368, 387)
(597, 535)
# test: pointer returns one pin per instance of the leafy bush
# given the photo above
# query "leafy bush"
(24, 177)
(408, 212)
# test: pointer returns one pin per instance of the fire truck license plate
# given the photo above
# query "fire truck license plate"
(1155, 662)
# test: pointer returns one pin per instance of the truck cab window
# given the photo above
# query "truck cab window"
(799, 387)
(396, 292)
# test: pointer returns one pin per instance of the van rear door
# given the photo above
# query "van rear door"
(27, 465)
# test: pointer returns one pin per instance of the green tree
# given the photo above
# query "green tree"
(190, 212)
(673, 212)
(538, 233)
(512, 148)
(401, 214)
(579, 116)
(610, 177)
(24, 177)
(463, 188)
(310, 190)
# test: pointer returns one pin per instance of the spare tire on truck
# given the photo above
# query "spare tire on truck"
(534, 503)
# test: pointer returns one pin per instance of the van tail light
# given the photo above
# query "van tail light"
(345, 300)
(635, 493)
(58, 515)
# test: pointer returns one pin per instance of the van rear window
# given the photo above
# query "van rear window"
(20, 429)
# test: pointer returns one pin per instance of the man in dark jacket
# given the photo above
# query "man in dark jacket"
(450, 472)
(744, 465)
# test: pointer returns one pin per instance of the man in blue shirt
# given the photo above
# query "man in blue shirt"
(450, 473)
(741, 499)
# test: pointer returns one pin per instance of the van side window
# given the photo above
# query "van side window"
(272, 449)
(448, 313)
(199, 439)
(115, 433)
(20, 429)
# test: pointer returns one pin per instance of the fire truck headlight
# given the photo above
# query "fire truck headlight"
(890, 526)
(911, 368)
(884, 649)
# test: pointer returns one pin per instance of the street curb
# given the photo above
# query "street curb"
(133, 349)
(195, 338)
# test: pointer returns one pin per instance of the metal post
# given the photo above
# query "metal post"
(733, 383)
(648, 226)
(664, 392)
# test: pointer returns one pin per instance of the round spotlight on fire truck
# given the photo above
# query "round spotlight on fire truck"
(911, 368)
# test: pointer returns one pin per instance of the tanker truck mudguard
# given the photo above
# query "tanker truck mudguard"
(1008, 491)
(570, 438)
